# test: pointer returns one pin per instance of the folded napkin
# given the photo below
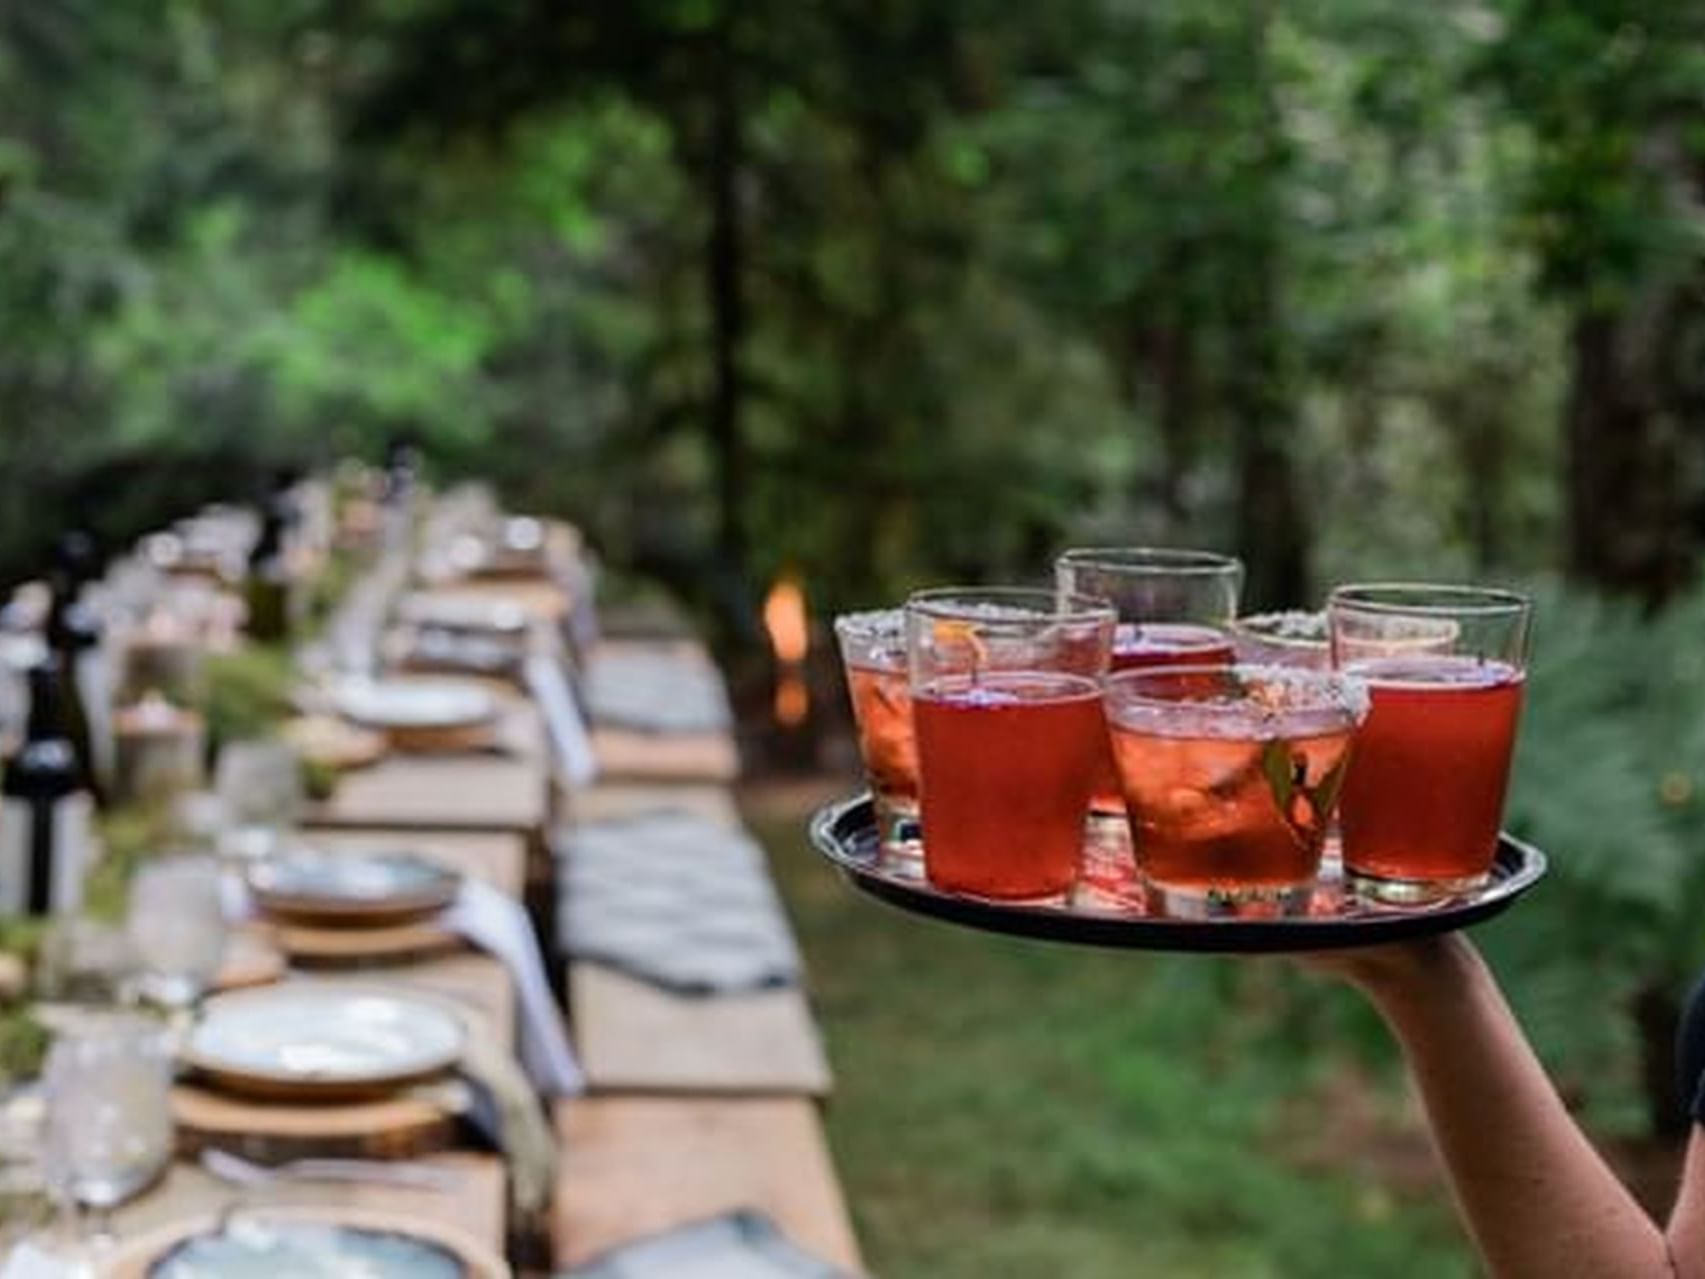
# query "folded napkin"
(655, 692)
(570, 742)
(500, 926)
(677, 900)
(504, 1110)
(740, 1245)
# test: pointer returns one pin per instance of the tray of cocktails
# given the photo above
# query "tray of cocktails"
(1331, 913)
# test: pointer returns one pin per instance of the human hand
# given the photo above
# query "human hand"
(1393, 966)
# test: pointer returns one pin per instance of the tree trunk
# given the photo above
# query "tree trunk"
(1177, 383)
(724, 279)
(1626, 511)
(1272, 527)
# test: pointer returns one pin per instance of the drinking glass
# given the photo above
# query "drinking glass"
(109, 1124)
(177, 926)
(1174, 608)
(1288, 638)
(1445, 667)
(873, 653)
(1231, 775)
(1006, 699)
(86, 962)
(259, 784)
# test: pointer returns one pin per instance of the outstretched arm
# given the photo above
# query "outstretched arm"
(1539, 1200)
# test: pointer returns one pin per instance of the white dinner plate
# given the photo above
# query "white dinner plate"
(415, 703)
(322, 1040)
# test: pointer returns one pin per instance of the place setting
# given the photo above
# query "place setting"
(354, 906)
(421, 714)
(1120, 761)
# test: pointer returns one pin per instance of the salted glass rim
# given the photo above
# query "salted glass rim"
(1246, 624)
(876, 622)
(1183, 561)
(1432, 599)
(1031, 605)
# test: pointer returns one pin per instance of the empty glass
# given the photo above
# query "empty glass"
(259, 784)
(109, 1120)
(177, 927)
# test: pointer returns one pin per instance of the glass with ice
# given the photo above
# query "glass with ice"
(1230, 775)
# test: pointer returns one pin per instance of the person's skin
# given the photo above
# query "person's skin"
(1539, 1200)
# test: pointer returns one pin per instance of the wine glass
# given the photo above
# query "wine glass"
(177, 927)
(109, 1121)
(259, 784)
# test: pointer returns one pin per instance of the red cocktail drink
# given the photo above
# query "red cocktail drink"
(1007, 759)
(1445, 668)
(1231, 777)
(1006, 698)
(1425, 795)
(882, 711)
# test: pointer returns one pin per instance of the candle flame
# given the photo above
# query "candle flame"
(789, 629)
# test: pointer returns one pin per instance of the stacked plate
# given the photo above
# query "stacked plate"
(346, 907)
(351, 889)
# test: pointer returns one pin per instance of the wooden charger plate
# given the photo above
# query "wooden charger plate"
(321, 947)
(402, 1127)
(136, 1258)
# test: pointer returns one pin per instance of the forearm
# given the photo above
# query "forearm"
(1539, 1200)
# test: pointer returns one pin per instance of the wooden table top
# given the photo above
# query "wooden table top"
(632, 1036)
(465, 791)
(635, 1166)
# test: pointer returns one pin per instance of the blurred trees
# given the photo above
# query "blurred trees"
(889, 290)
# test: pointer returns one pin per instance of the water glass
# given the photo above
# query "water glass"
(1006, 698)
(109, 1122)
(177, 927)
(1445, 667)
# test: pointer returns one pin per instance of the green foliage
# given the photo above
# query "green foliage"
(248, 693)
(23, 1045)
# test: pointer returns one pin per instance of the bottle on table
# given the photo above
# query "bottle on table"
(267, 588)
(75, 641)
(45, 809)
